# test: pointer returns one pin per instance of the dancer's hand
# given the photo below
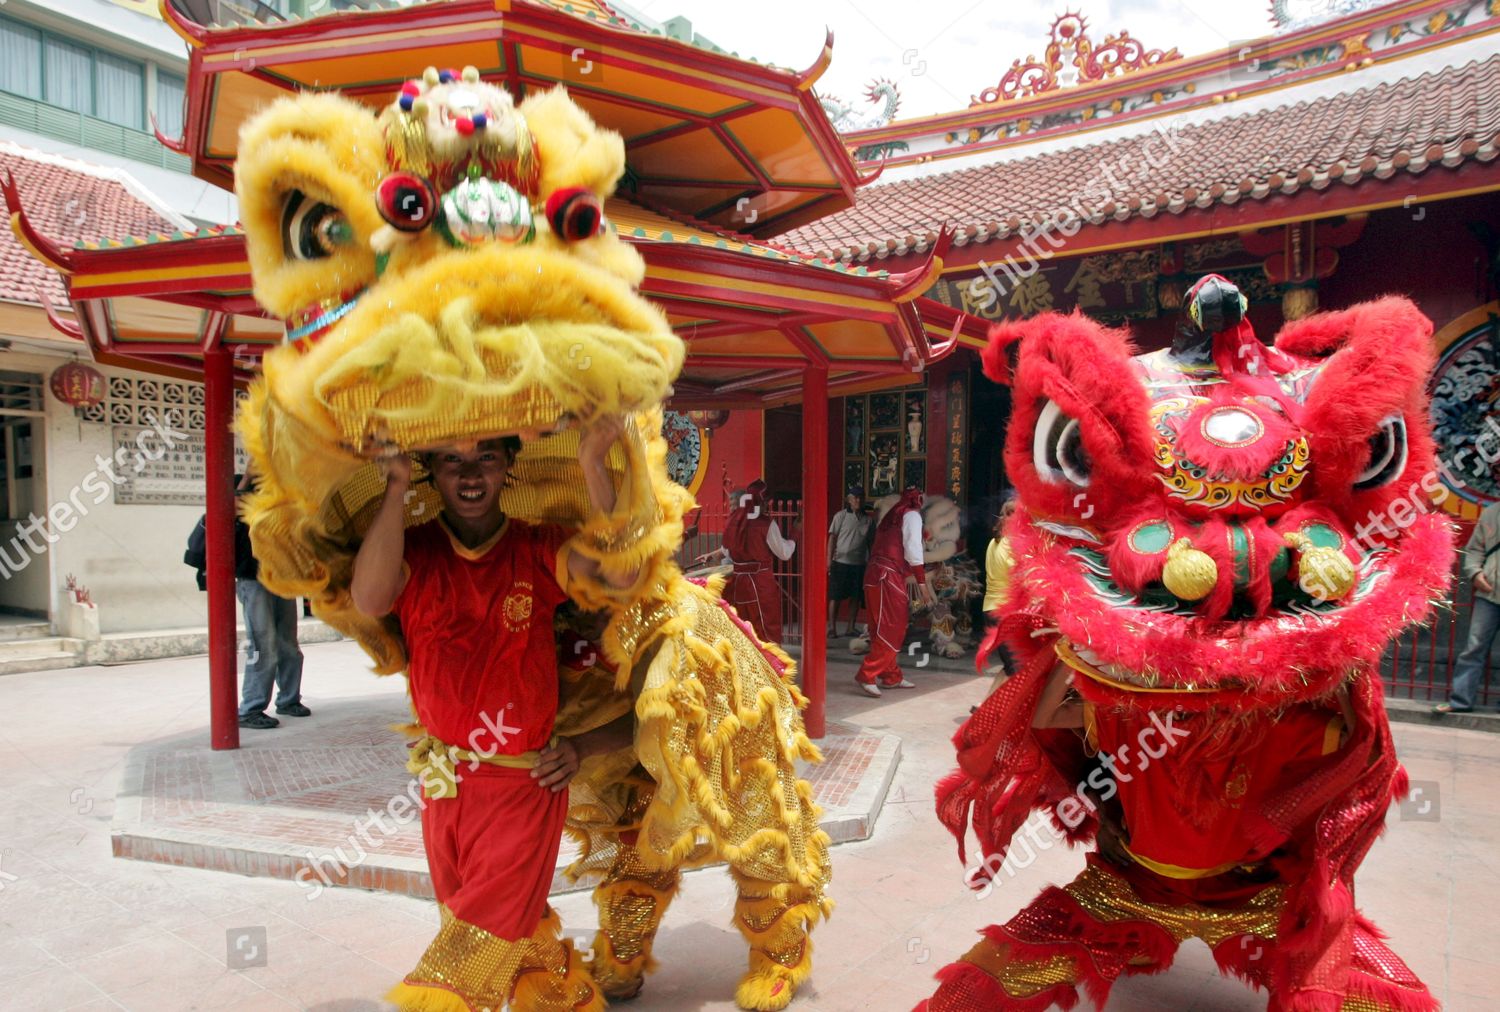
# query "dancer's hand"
(397, 468)
(595, 443)
(557, 765)
(1111, 840)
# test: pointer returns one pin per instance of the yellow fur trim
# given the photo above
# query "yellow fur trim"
(546, 990)
(424, 998)
(775, 919)
(452, 344)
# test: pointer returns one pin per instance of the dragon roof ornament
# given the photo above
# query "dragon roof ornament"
(1072, 58)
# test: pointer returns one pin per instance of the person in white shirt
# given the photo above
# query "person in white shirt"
(848, 544)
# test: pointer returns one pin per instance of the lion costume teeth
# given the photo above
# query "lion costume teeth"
(415, 321)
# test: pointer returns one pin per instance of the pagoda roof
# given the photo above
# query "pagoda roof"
(85, 203)
(1421, 138)
(754, 315)
(737, 144)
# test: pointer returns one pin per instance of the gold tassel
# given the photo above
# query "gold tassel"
(1325, 573)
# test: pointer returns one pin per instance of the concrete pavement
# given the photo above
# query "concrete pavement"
(82, 929)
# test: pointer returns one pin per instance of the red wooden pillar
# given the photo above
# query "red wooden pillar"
(815, 544)
(218, 445)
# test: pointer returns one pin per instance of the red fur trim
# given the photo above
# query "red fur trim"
(996, 354)
(1081, 366)
(1391, 997)
(1133, 569)
(1400, 785)
(1279, 664)
(1247, 957)
(1384, 356)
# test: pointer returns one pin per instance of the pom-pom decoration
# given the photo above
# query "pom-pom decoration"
(1189, 574)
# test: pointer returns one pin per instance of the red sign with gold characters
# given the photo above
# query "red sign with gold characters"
(77, 384)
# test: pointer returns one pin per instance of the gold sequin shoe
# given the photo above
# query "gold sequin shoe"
(631, 902)
(467, 969)
(775, 920)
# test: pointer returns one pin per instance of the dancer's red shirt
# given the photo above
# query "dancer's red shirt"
(1225, 786)
(478, 628)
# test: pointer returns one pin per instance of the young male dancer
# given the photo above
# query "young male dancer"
(475, 593)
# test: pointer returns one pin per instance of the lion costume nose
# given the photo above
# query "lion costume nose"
(1323, 572)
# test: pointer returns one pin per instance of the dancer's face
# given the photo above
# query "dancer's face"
(469, 478)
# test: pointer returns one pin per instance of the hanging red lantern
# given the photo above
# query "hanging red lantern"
(708, 419)
(77, 384)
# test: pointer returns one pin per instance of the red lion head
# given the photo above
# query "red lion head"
(1220, 521)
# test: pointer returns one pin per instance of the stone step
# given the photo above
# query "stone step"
(38, 630)
(40, 655)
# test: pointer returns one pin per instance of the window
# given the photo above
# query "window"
(171, 95)
(58, 71)
(70, 75)
(120, 90)
(20, 59)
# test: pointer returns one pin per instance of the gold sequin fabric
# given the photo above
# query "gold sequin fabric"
(720, 731)
(631, 902)
(489, 973)
(1108, 897)
(775, 920)
(1021, 977)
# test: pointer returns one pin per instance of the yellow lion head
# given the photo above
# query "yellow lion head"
(446, 273)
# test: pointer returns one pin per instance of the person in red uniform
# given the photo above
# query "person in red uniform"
(895, 563)
(475, 593)
(754, 542)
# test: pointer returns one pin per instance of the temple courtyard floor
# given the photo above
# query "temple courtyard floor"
(200, 913)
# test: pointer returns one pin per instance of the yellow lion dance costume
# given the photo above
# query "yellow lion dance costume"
(446, 274)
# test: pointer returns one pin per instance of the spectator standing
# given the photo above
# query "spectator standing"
(848, 545)
(1481, 564)
(270, 635)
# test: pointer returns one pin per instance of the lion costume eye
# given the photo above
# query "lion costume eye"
(574, 214)
(1387, 454)
(1057, 448)
(311, 229)
(407, 202)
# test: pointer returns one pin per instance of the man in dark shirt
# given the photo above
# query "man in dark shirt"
(270, 638)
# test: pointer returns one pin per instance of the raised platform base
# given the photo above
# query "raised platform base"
(324, 800)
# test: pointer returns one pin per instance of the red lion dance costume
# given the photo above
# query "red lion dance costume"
(1201, 579)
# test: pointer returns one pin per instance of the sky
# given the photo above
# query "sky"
(941, 53)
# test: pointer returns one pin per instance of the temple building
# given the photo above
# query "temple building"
(1336, 160)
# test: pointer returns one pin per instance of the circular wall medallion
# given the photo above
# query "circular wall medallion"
(687, 450)
(1466, 411)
